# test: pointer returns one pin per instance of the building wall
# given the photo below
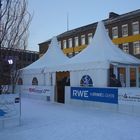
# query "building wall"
(21, 58)
(121, 22)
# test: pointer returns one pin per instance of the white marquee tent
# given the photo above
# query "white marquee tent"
(53, 57)
(95, 60)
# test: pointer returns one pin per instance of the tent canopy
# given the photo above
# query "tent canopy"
(53, 57)
(100, 53)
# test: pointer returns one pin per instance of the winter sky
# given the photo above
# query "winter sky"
(50, 16)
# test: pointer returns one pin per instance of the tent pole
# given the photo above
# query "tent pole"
(44, 78)
(115, 69)
(128, 76)
(137, 76)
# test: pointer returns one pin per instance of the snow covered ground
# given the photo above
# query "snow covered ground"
(46, 121)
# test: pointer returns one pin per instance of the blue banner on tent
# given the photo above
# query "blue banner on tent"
(107, 95)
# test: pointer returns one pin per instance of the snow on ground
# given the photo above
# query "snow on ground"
(47, 121)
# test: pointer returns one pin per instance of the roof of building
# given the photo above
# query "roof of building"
(110, 20)
(18, 50)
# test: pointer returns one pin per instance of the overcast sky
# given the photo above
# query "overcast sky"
(50, 16)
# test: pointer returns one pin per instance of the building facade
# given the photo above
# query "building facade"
(124, 30)
(14, 57)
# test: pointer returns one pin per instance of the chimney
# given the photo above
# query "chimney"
(113, 15)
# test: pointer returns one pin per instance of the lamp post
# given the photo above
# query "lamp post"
(12, 61)
(0, 51)
(0, 24)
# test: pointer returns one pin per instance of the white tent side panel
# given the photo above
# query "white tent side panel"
(47, 80)
(99, 77)
(27, 79)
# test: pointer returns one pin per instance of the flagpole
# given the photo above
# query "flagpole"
(67, 21)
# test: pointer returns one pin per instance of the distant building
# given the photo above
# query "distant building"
(21, 58)
(124, 30)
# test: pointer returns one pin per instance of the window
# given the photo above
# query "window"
(64, 44)
(33, 57)
(70, 55)
(136, 47)
(125, 30)
(89, 38)
(70, 42)
(125, 47)
(28, 57)
(76, 53)
(24, 56)
(132, 77)
(107, 31)
(122, 76)
(83, 40)
(20, 82)
(59, 43)
(34, 81)
(135, 28)
(114, 32)
(76, 41)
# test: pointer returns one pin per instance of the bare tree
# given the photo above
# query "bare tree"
(14, 24)
(15, 20)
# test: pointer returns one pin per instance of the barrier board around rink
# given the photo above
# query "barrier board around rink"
(129, 96)
(121, 96)
(9, 106)
(106, 95)
(36, 90)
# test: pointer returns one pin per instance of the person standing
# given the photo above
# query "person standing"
(114, 82)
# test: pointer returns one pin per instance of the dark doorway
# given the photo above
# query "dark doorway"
(61, 82)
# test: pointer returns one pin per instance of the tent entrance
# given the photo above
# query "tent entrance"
(61, 78)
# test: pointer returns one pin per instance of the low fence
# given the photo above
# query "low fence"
(126, 100)
(10, 104)
(36, 92)
(10, 109)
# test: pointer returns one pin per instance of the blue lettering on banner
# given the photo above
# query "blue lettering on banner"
(107, 95)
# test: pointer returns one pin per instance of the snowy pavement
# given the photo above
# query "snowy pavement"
(46, 121)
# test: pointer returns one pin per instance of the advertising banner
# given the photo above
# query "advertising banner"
(106, 95)
(36, 89)
(9, 106)
(129, 96)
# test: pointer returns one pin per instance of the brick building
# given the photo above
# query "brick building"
(21, 58)
(124, 30)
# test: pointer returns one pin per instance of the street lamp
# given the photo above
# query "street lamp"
(13, 71)
(10, 61)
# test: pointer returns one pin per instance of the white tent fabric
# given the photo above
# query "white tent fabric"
(53, 57)
(100, 53)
